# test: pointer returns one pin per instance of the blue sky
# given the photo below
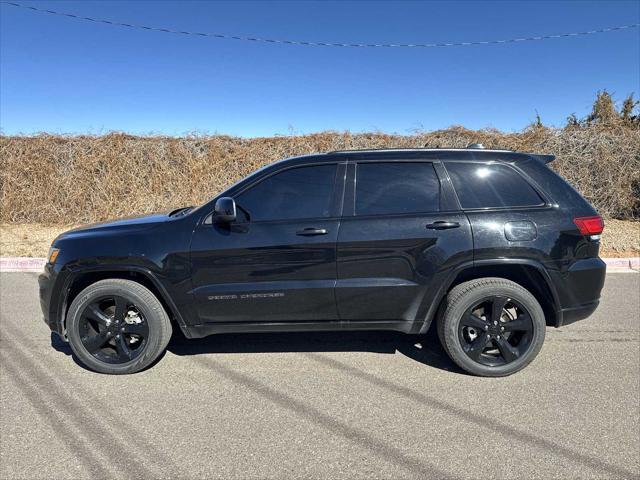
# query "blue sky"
(67, 76)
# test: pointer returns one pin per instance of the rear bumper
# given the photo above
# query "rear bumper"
(579, 290)
(568, 316)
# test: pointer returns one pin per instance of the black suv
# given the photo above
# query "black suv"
(491, 244)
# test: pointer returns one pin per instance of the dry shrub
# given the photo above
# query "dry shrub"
(57, 179)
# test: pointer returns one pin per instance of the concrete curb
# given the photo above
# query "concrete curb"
(22, 264)
(629, 263)
(29, 264)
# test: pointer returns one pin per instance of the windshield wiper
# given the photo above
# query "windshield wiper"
(180, 212)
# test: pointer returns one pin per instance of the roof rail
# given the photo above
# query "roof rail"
(423, 149)
(476, 146)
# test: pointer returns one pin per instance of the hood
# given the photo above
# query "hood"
(123, 225)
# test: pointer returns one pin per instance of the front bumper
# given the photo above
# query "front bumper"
(49, 299)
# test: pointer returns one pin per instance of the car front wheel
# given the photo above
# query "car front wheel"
(491, 326)
(117, 326)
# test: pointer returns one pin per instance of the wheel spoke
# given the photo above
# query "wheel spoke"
(497, 306)
(136, 328)
(471, 320)
(122, 348)
(508, 352)
(477, 347)
(95, 342)
(121, 308)
(94, 313)
(520, 324)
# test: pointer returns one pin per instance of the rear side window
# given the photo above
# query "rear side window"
(303, 192)
(398, 187)
(491, 185)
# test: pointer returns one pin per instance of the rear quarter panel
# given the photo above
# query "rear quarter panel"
(567, 256)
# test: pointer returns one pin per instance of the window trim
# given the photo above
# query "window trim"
(352, 181)
(545, 201)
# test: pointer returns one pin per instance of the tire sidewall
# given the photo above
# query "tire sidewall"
(455, 312)
(150, 312)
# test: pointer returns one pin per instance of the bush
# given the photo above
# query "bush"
(57, 179)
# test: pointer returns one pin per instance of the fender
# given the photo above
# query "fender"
(454, 272)
(73, 274)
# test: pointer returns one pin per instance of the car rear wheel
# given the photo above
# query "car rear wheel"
(117, 326)
(491, 327)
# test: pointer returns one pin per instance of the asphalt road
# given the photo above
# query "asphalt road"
(361, 405)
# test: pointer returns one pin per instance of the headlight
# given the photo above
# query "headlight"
(53, 255)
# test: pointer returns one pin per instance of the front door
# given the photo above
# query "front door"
(398, 239)
(277, 262)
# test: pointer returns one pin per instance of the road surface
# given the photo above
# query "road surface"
(326, 405)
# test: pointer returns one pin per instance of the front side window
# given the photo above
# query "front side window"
(397, 187)
(303, 192)
(491, 185)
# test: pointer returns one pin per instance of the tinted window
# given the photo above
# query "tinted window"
(491, 185)
(303, 192)
(400, 187)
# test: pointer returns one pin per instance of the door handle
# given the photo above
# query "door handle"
(311, 231)
(442, 225)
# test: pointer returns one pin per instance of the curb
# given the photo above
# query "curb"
(30, 264)
(628, 263)
(22, 264)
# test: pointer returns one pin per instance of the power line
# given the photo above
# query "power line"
(325, 44)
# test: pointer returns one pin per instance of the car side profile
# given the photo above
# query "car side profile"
(492, 245)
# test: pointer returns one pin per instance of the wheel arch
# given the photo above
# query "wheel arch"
(529, 273)
(82, 279)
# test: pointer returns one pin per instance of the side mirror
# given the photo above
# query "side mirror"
(225, 210)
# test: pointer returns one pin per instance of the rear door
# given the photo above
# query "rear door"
(400, 234)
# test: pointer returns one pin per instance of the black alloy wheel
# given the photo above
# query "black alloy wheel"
(496, 331)
(491, 326)
(117, 326)
(113, 329)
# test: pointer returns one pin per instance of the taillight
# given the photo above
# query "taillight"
(589, 225)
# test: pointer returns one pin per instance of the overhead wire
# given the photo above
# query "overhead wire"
(323, 44)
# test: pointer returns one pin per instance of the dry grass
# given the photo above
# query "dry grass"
(620, 239)
(28, 240)
(56, 179)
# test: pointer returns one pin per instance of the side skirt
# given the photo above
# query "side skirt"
(203, 330)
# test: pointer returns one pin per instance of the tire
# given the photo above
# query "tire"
(466, 321)
(136, 311)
